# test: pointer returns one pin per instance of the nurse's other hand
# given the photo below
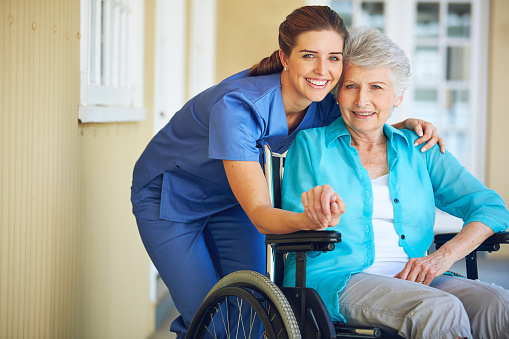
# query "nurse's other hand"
(427, 132)
(323, 206)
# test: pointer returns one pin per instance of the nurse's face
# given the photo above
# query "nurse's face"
(313, 68)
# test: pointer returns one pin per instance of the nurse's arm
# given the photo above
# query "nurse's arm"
(250, 188)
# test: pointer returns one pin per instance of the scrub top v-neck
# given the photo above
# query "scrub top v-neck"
(229, 121)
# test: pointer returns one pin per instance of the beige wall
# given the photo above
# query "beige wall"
(40, 241)
(71, 261)
(497, 165)
(247, 31)
(498, 118)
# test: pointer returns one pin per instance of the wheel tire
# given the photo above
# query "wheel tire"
(262, 295)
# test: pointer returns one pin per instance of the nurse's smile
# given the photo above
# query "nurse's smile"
(318, 83)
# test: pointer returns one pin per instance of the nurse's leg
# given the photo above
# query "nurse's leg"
(487, 304)
(179, 253)
(234, 242)
(235, 245)
(411, 309)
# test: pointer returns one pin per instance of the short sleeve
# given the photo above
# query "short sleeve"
(235, 126)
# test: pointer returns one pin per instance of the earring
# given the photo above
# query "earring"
(397, 105)
(286, 69)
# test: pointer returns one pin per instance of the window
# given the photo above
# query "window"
(360, 13)
(444, 74)
(111, 60)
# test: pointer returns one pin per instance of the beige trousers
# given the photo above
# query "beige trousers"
(451, 307)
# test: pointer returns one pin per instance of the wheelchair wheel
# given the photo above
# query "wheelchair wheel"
(244, 304)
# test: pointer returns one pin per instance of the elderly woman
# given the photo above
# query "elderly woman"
(380, 274)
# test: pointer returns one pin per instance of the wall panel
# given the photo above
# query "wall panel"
(39, 207)
(498, 119)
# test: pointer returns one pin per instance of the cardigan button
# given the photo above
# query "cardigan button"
(396, 200)
(402, 236)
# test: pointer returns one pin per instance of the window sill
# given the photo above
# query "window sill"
(104, 114)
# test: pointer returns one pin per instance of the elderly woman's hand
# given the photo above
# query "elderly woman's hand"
(426, 131)
(424, 269)
(323, 206)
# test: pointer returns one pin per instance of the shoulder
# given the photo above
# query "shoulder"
(401, 137)
(240, 94)
(254, 87)
(311, 138)
(312, 133)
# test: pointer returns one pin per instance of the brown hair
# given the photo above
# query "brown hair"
(303, 19)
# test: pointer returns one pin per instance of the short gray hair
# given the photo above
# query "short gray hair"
(369, 48)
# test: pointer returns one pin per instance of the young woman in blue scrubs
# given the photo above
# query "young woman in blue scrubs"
(199, 193)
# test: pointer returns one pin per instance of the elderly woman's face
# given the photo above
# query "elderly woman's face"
(366, 98)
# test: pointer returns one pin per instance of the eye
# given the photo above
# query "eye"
(307, 56)
(350, 86)
(334, 58)
(377, 87)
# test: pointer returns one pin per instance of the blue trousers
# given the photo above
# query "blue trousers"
(192, 257)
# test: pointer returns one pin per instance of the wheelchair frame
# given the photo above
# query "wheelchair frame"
(295, 312)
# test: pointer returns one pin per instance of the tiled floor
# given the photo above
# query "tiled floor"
(490, 270)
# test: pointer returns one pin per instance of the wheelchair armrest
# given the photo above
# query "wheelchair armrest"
(490, 244)
(304, 241)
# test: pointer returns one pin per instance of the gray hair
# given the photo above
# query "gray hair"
(369, 48)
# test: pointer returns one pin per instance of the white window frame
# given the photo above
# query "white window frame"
(170, 60)
(202, 58)
(111, 61)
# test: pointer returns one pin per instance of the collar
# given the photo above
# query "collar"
(338, 129)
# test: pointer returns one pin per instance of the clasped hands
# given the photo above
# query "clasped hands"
(323, 207)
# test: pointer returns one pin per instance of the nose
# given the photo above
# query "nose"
(321, 67)
(362, 98)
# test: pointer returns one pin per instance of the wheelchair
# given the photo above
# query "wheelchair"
(265, 309)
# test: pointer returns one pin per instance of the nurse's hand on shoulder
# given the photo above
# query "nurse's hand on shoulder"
(427, 132)
(323, 206)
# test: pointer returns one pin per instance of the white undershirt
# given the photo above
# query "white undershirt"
(390, 258)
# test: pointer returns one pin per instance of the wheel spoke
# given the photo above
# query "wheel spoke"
(240, 321)
(251, 322)
(214, 327)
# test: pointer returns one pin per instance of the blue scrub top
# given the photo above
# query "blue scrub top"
(229, 121)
